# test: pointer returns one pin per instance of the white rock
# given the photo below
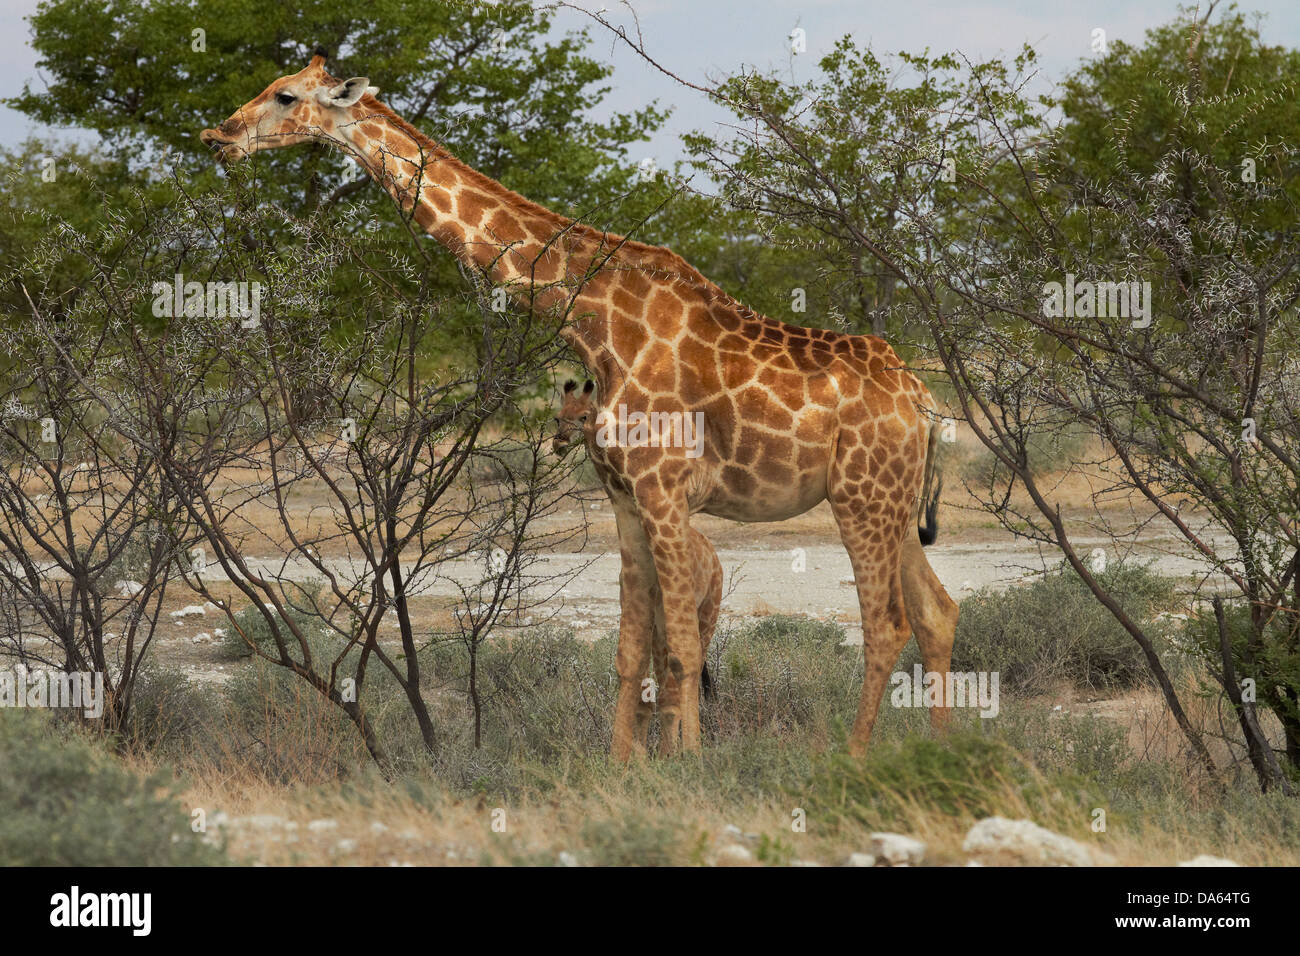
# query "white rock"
(322, 826)
(804, 863)
(1030, 842)
(201, 638)
(128, 588)
(732, 831)
(566, 858)
(260, 821)
(377, 827)
(345, 845)
(190, 610)
(735, 853)
(861, 859)
(894, 849)
(1206, 860)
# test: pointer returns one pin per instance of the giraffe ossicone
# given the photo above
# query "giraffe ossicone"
(791, 416)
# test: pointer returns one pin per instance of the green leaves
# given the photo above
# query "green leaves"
(486, 81)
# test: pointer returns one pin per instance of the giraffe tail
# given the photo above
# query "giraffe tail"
(928, 528)
(706, 681)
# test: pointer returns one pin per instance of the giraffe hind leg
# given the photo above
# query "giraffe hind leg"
(933, 617)
(708, 588)
(872, 518)
(668, 691)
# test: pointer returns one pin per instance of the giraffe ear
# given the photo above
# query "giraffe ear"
(346, 93)
(569, 386)
(588, 388)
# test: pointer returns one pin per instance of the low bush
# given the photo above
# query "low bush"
(65, 801)
(966, 774)
(1054, 630)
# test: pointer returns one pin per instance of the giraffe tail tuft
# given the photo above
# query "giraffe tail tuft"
(928, 531)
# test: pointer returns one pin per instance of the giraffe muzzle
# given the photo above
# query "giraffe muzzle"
(227, 149)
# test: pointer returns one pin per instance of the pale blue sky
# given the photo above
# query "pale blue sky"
(700, 39)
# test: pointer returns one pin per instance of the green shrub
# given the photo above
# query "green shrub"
(549, 699)
(294, 734)
(780, 674)
(546, 695)
(795, 631)
(1085, 744)
(1054, 448)
(1054, 630)
(253, 623)
(635, 841)
(170, 713)
(64, 801)
(1057, 447)
(1271, 659)
(963, 774)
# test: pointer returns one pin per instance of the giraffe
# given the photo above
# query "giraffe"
(577, 421)
(787, 416)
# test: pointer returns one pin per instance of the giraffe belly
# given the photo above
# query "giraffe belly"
(777, 466)
(751, 510)
(741, 494)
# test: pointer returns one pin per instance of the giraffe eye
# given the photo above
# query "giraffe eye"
(284, 99)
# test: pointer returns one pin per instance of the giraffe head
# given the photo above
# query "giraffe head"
(309, 104)
(576, 412)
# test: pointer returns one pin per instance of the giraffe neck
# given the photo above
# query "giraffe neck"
(586, 279)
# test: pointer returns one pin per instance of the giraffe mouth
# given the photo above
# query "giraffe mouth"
(227, 150)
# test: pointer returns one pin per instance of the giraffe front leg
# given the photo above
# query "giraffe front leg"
(636, 624)
(667, 531)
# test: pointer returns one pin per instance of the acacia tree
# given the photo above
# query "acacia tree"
(187, 442)
(89, 533)
(490, 80)
(850, 133)
(332, 516)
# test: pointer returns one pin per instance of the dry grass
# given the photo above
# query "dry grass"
(388, 826)
(284, 788)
